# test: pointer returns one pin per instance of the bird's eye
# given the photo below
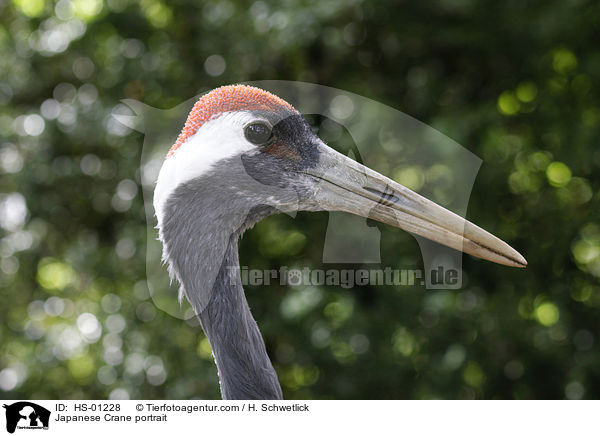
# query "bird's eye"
(257, 133)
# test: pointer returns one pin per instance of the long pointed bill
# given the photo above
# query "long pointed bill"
(343, 184)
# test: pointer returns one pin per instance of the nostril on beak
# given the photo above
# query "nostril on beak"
(385, 198)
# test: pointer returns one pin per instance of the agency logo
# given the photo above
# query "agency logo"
(27, 416)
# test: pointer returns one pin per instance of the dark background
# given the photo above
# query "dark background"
(515, 82)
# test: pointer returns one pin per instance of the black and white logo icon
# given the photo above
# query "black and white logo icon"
(26, 415)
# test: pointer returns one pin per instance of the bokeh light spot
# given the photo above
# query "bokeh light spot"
(30, 8)
(54, 275)
(526, 92)
(558, 174)
(508, 104)
(564, 61)
(547, 314)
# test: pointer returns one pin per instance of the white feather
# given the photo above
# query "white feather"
(217, 139)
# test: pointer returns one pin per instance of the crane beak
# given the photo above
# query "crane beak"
(343, 184)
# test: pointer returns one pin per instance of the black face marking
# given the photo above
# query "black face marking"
(258, 133)
(292, 149)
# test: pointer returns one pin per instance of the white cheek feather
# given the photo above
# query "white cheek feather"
(217, 139)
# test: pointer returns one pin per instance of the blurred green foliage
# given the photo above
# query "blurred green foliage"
(515, 82)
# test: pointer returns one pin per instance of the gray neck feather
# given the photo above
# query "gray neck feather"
(200, 236)
(245, 371)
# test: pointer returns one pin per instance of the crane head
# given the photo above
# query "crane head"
(276, 147)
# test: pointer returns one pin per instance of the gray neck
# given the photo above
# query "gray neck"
(245, 371)
(200, 240)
